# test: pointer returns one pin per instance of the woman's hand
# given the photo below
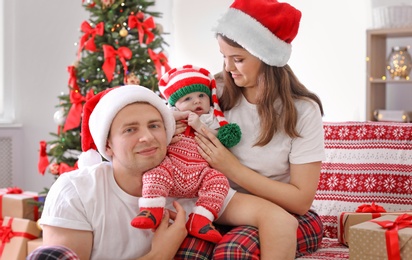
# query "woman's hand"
(215, 153)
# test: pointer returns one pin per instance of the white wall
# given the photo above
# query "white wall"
(328, 53)
(328, 56)
(39, 45)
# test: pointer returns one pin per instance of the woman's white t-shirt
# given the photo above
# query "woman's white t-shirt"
(273, 159)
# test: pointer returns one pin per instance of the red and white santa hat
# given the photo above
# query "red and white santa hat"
(99, 112)
(265, 28)
(179, 82)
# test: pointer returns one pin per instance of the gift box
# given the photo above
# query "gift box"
(348, 219)
(15, 233)
(19, 204)
(33, 244)
(386, 237)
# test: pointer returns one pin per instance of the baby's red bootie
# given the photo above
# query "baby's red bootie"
(201, 227)
(148, 218)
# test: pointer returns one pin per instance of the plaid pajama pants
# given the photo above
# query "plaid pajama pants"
(237, 243)
(243, 242)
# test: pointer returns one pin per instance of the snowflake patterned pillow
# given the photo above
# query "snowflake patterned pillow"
(365, 162)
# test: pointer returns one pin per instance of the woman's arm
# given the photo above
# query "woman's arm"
(295, 196)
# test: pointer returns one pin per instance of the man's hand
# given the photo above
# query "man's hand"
(168, 237)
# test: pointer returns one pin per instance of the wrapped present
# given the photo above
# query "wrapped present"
(14, 234)
(33, 244)
(386, 237)
(19, 204)
(348, 219)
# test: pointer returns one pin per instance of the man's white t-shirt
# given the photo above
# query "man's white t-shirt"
(90, 199)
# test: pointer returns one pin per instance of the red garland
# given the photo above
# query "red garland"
(74, 116)
(43, 159)
(142, 27)
(159, 60)
(72, 78)
(110, 55)
(87, 40)
(7, 233)
(391, 234)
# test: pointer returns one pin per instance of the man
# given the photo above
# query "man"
(89, 210)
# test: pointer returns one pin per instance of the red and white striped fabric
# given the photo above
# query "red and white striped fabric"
(365, 162)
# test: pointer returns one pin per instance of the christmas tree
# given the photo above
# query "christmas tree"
(120, 44)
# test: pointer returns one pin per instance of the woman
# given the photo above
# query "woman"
(280, 154)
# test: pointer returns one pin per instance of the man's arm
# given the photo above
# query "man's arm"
(79, 241)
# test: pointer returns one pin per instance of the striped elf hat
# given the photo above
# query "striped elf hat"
(179, 82)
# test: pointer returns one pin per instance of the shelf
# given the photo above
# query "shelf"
(376, 86)
(391, 81)
(391, 32)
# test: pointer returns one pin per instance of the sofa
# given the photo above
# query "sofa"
(366, 162)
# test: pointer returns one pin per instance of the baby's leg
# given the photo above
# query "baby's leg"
(277, 228)
(212, 191)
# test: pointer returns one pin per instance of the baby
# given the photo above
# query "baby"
(184, 172)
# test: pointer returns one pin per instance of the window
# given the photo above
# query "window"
(6, 93)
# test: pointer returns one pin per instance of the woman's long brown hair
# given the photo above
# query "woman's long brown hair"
(274, 82)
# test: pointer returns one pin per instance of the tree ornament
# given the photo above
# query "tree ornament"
(54, 168)
(59, 117)
(123, 32)
(132, 79)
(159, 28)
(38, 224)
(107, 3)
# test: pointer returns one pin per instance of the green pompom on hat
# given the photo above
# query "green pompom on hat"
(179, 82)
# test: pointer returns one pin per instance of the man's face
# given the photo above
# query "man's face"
(137, 141)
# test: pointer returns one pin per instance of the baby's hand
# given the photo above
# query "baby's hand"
(193, 120)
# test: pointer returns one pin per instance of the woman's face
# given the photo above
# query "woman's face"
(243, 66)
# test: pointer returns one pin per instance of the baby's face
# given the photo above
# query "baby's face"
(198, 102)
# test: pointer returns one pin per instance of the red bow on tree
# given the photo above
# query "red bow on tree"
(159, 60)
(110, 55)
(43, 159)
(366, 208)
(135, 21)
(74, 116)
(391, 234)
(72, 78)
(87, 40)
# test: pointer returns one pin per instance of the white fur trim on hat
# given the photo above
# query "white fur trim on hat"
(254, 37)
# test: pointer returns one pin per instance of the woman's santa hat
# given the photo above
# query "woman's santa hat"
(99, 112)
(179, 82)
(265, 28)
